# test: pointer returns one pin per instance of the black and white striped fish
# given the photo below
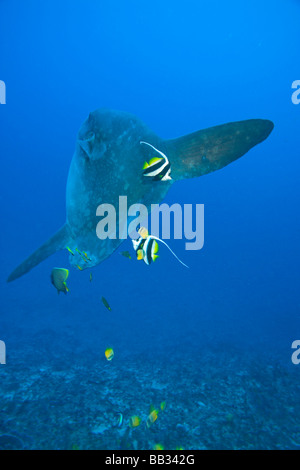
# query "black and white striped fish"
(146, 247)
(158, 168)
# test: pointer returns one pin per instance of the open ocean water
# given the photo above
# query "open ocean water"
(205, 352)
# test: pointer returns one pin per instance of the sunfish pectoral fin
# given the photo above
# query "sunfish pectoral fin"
(54, 244)
(210, 149)
(87, 144)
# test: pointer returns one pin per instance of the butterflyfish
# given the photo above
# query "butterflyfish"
(59, 277)
(109, 354)
(134, 421)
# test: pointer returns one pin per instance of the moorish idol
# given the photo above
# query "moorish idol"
(146, 247)
(158, 168)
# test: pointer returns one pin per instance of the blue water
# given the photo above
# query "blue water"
(218, 334)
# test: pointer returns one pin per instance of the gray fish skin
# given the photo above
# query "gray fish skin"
(108, 162)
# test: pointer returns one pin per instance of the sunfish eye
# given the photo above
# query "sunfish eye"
(87, 143)
(90, 136)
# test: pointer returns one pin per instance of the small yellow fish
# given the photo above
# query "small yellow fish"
(109, 354)
(158, 447)
(79, 267)
(82, 256)
(126, 254)
(152, 418)
(163, 405)
(70, 251)
(89, 259)
(134, 421)
(91, 277)
(106, 304)
(58, 279)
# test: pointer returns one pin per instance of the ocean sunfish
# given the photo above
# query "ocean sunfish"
(108, 163)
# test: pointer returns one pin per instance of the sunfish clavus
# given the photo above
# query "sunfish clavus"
(108, 162)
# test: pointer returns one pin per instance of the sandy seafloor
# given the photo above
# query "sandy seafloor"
(221, 397)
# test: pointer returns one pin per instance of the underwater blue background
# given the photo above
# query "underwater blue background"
(180, 67)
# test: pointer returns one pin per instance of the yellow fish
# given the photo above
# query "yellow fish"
(70, 251)
(109, 354)
(126, 254)
(134, 421)
(104, 301)
(91, 277)
(89, 259)
(82, 256)
(152, 418)
(158, 447)
(163, 405)
(58, 279)
(79, 267)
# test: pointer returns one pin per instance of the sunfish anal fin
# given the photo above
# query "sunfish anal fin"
(54, 244)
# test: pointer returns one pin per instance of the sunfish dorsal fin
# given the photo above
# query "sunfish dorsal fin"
(210, 149)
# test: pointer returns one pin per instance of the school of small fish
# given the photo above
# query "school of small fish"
(146, 248)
